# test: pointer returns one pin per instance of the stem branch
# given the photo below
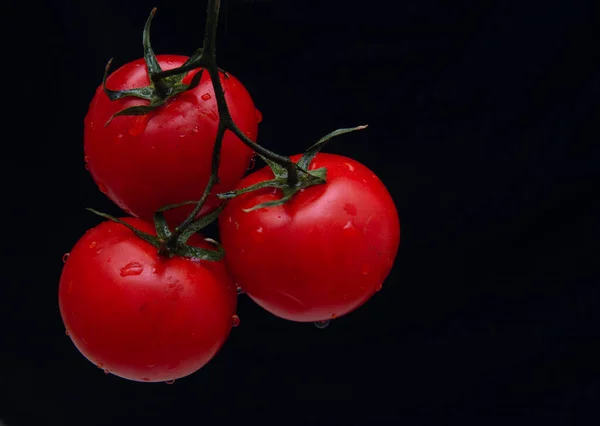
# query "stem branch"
(207, 60)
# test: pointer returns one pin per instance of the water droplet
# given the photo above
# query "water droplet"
(92, 125)
(259, 116)
(119, 137)
(106, 371)
(235, 321)
(365, 269)
(145, 379)
(196, 129)
(170, 382)
(99, 251)
(99, 365)
(350, 209)
(321, 324)
(349, 225)
(182, 135)
(93, 244)
(86, 158)
(259, 230)
(350, 166)
(252, 162)
(205, 97)
(239, 290)
(132, 268)
(66, 332)
(379, 288)
(65, 257)
(333, 316)
(87, 167)
(212, 115)
(103, 189)
(139, 125)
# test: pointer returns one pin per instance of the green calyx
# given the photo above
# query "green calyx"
(306, 178)
(161, 87)
(170, 247)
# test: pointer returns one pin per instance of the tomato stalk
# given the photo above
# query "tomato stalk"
(289, 176)
(205, 58)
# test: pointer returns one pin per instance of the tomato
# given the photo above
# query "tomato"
(141, 316)
(322, 254)
(145, 162)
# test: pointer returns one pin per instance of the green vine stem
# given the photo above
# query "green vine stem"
(205, 58)
(290, 177)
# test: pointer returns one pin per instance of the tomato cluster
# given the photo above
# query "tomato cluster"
(140, 309)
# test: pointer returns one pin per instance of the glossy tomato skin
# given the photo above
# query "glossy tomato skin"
(140, 316)
(145, 162)
(319, 256)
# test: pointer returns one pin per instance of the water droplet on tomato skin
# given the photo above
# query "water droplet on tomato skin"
(87, 167)
(349, 225)
(350, 166)
(365, 269)
(106, 371)
(86, 159)
(132, 268)
(145, 379)
(100, 365)
(139, 125)
(65, 257)
(170, 382)
(333, 316)
(379, 288)
(322, 324)
(350, 209)
(93, 244)
(259, 230)
(252, 163)
(205, 97)
(239, 290)
(66, 332)
(103, 189)
(259, 116)
(235, 321)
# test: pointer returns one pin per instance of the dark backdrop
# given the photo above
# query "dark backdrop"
(481, 126)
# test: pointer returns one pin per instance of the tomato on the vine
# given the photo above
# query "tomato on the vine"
(320, 255)
(139, 315)
(163, 157)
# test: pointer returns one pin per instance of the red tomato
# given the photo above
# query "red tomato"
(145, 162)
(140, 316)
(322, 254)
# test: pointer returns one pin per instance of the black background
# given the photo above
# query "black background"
(482, 127)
